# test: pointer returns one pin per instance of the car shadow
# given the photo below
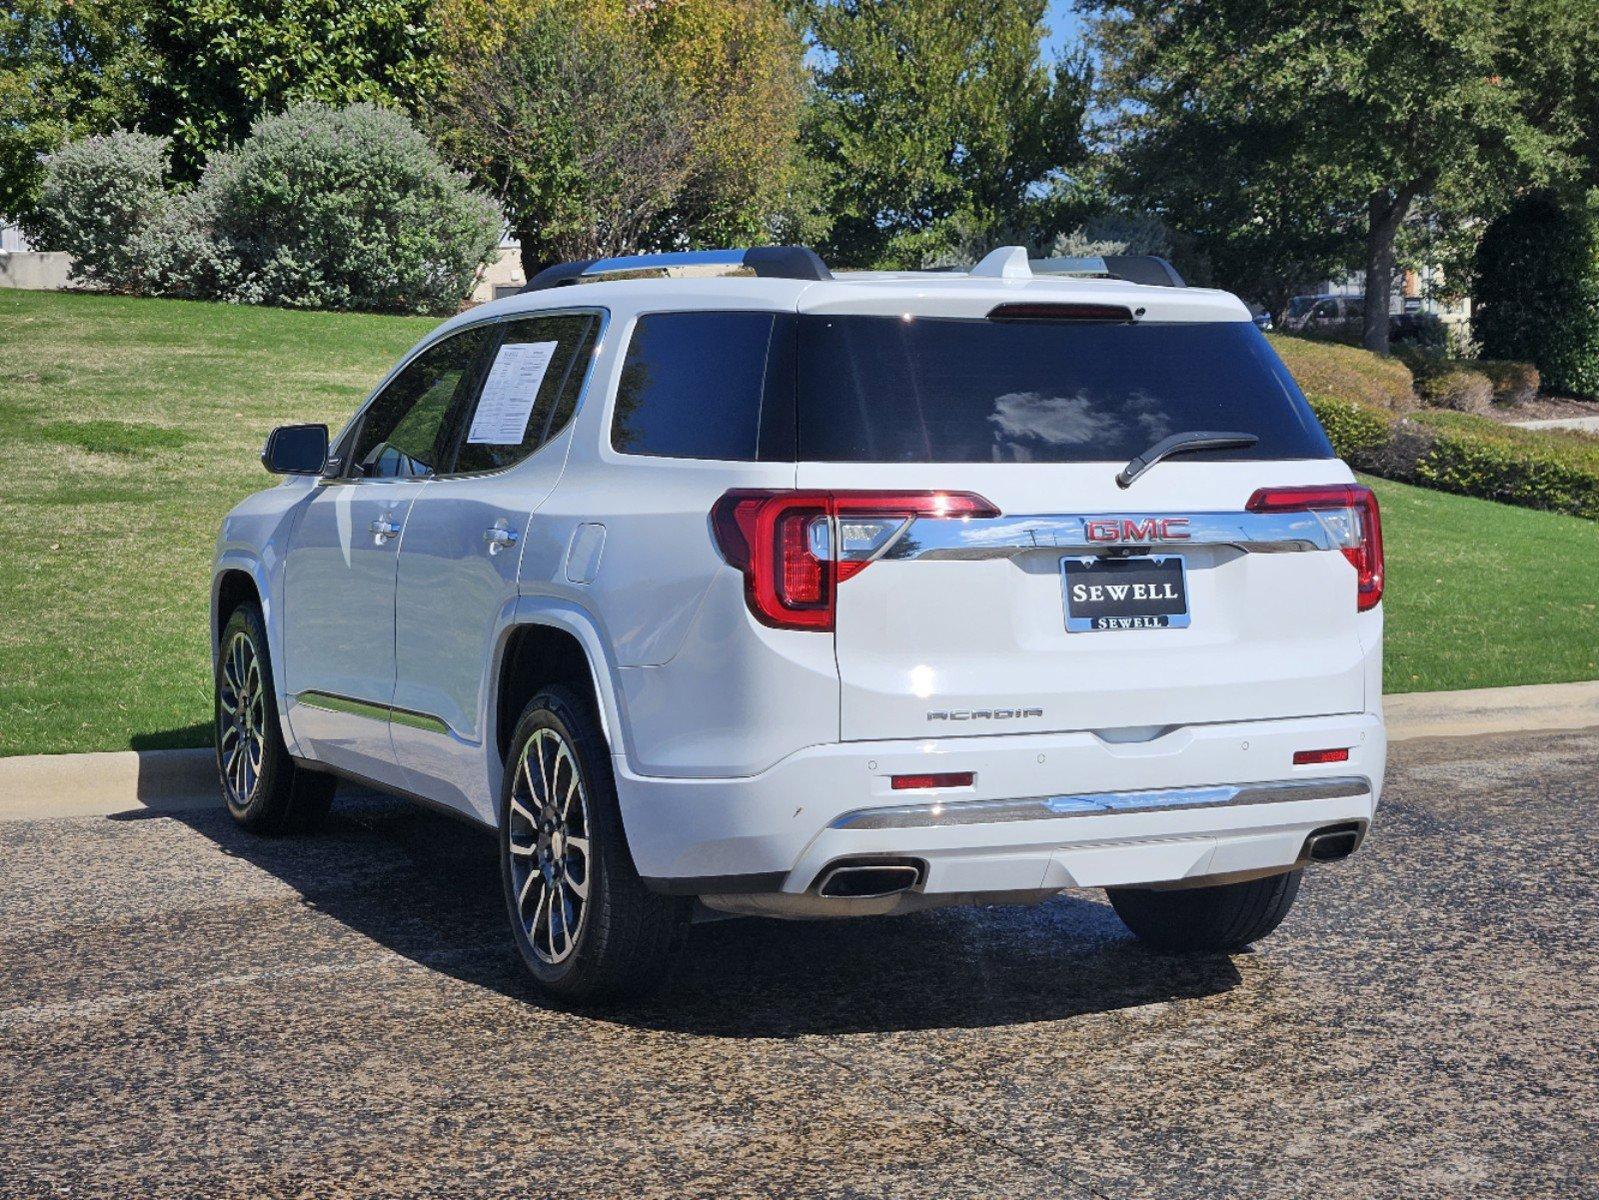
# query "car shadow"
(427, 888)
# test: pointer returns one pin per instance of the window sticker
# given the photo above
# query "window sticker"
(510, 392)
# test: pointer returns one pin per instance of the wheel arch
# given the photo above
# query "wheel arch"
(239, 578)
(550, 643)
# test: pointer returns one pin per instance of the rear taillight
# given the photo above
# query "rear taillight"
(784, 542)
(1349, 512)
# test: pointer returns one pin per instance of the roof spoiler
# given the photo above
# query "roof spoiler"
(1011, 262)
(767, 262)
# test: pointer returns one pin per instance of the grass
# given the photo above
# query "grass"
(1485, 595)
(131, 426)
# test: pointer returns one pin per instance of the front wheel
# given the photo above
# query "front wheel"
(266, 791)
(1207, 920)
(582, 919)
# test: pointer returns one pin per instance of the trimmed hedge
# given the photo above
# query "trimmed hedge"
(1330, 369)
(1456, 386)
(1469, 385)
(1513, 382)
(1469, 455)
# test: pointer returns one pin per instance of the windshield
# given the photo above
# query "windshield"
(891, 389)
(1300, 305)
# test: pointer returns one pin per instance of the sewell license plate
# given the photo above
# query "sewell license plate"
(1125, 593)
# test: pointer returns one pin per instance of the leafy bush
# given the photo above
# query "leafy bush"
(1537, 291)
(101, 200)
(1356, 430)
(1456, 385)
(1513, 382)
(346, 208)
(320, 208)
(1329, 369)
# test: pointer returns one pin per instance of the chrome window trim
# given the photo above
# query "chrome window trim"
(946, 813)
(937, 538)
(348, 428)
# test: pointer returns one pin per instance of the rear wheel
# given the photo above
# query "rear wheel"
(265, 790)
(1207, 920)
(583, 921)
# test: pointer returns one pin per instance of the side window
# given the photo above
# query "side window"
(403, 434)
(530, 390)
(693, 386)
(1326, 310)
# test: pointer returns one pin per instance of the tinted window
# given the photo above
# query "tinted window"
(529, 392)
(884, 389)
(692, 385)
(403, 434)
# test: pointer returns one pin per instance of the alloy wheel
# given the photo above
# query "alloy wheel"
(241, 719)
(549, 846)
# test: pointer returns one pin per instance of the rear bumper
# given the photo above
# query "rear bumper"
(1045, 812)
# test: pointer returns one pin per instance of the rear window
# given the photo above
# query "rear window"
(890, 389)
(692, 385)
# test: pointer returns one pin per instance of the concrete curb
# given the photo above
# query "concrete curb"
(38, 786)
(1492, 710)
(34, 786)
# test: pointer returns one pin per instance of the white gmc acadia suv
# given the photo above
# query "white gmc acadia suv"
(801, 595)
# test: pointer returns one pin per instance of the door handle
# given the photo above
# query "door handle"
(498, 538)
(384, 529)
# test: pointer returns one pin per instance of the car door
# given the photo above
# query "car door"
(458, 566)
(339, 574)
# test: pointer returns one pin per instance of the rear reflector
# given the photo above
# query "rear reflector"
(1305, 758)
(1350, 512)
(795, 547)
(953, 779)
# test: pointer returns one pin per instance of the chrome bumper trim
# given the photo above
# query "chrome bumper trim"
(943, 813)
(1005, 537)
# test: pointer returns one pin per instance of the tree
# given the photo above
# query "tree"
(741, 62)
(933, 116)
(1325, 127)
(220, 65)
(68, 68)
(568, 122)
(1536, 296)
(200, 72)
(726, 74)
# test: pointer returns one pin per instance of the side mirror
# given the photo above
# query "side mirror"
(296, 450)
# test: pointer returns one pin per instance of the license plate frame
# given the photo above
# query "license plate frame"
(1089, 615)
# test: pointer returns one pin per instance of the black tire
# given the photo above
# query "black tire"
(265, 790)
(625, 935)
(1207, 920)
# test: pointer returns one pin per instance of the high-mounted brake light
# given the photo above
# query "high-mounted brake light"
(795, 547)
(1350, 512)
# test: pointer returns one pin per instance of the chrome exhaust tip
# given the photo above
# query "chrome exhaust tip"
(1333, 843)
(869, 880)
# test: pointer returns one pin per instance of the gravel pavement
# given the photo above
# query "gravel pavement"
(186, 1010)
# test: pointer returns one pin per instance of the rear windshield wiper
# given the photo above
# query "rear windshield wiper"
(1183, 443)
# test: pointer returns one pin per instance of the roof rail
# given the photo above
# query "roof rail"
(768, 262)
(1011, 262)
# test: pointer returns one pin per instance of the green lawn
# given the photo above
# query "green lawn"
(131, 426)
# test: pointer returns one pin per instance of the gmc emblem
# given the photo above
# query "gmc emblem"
(1125, 529)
